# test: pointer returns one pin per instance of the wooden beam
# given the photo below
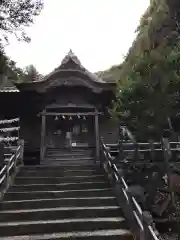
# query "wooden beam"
(1, 154)
(70, 105)
(72, 114)
(43, 134)
(97, 136)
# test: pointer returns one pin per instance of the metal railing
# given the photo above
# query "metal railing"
(140, 222)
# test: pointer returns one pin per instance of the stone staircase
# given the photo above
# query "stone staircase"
(66, 197)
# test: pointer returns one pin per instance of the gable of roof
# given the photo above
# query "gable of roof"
(71, 63)
(69, 73)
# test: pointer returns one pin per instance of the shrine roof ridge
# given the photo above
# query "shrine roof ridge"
(76, 66)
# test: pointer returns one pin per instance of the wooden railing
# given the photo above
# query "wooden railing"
(141, 222)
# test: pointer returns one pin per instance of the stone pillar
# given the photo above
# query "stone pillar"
(21, 143)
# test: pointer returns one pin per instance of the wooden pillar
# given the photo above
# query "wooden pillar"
(43, 135)
(97, 136)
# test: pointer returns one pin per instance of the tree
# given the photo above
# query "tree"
(30, 74)
(150, 78)
(15, 15)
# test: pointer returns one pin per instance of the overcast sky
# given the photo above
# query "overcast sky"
(99, 32)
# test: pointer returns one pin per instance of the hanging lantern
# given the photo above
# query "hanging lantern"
(63, 117)
(56, 118)
(79, 117)
(84, 118)
(70, 118)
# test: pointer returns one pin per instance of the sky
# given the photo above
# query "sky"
(99, 32)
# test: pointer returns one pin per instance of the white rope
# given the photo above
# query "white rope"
(9, 129)
(8, 139)
(9, 120)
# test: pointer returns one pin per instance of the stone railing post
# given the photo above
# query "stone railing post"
(147, 220)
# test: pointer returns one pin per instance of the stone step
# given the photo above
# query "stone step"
(66, 154)
(64, 225)
(59, 213)
(58, 167)
(113, 234)
(69, 163)
(26, 195)
(64, 198)
(58, 202)
(63, 159)
(77, 165)
(62, 172)
(59, 186)
(74, 151)
(70, 156)
(56, 180)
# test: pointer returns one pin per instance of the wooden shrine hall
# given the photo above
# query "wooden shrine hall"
(66, 108)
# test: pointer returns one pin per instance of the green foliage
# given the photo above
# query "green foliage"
(111, 74)
(149, 81)
(15, 15)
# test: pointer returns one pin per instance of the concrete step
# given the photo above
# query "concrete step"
(56, 180)
(64, 225)
(113, 234)
(58, 202)
(62, 172)
(27, 195)
(59, 213)
(59, 186)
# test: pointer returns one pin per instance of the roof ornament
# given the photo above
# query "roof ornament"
(70, 53)
(71, 56)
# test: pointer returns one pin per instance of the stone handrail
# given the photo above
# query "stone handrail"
(10, 164)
